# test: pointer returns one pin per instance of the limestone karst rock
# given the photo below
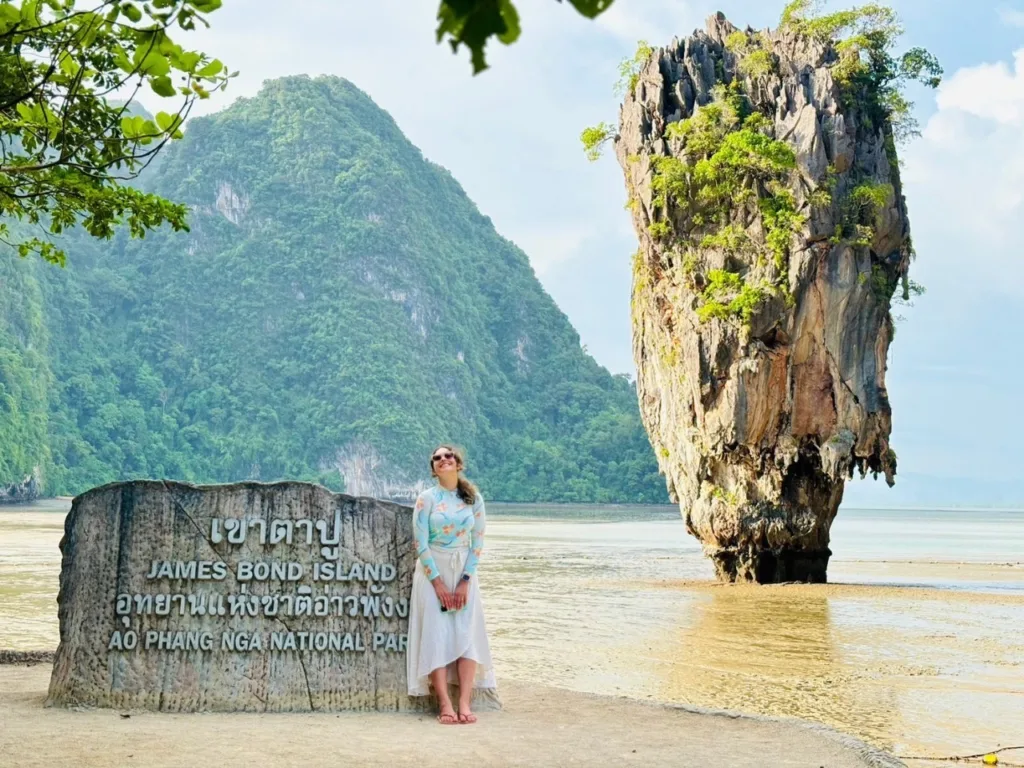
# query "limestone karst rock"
(761, 379)
(24, 491)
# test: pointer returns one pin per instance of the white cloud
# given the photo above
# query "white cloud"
(989, 91)
(1011, 16)
(965, 179)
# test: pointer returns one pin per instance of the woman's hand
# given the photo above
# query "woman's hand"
(461, 596)
(446, 598)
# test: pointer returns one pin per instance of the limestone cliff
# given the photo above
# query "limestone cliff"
(761, 319)
(24, 491)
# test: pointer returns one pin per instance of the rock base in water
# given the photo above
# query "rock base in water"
(772, 567)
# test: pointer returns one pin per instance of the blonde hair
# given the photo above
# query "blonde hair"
(463, 487)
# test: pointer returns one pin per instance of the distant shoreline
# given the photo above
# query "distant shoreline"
(28, 658)
(613, 504)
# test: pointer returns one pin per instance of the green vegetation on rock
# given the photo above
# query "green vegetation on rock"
(728, 163)
(726, 171)
(755, 60)
(866, 67)
(629, 69)
(594, 138)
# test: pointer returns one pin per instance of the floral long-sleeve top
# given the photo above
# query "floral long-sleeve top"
(441, 519)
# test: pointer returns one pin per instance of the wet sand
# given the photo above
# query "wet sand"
(899, 660)
(539, 726)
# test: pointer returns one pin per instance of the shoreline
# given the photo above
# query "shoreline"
(846, 589)
(539, 726)
(11, 657)
(645, 504)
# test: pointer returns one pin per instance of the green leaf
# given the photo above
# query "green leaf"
(133, 13)
(155, 65)
(211, 69)
(128, 127)
(123, 63)
(511, 18)
(471, 24)
(89, 26)
(187, 60)
(168, 47)
(68, 65)
(205, 6)
(165, 120)
(9, 16)
(30, 12)
(591, 8)
(162, 86)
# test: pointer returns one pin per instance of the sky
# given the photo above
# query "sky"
(510, 136)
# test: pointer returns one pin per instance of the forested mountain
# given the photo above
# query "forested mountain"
(339, 307)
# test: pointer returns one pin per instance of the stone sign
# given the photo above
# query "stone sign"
(242, 597)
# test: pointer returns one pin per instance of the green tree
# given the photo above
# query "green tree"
(66, 145)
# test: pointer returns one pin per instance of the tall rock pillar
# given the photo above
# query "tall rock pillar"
(760, 311)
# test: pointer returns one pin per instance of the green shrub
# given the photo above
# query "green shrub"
(757, 63)
(629, 69)
(728, 297)
(593, 139)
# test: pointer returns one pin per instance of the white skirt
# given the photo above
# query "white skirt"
(440, 638)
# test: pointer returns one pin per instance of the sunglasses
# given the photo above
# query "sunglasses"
(439, 456)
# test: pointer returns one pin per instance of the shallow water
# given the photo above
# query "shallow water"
(915, 647)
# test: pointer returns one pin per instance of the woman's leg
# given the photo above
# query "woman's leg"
(467, 678)
(439, 679)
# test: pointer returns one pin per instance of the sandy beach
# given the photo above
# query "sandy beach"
(539, 726)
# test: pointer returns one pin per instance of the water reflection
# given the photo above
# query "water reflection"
(772, 652)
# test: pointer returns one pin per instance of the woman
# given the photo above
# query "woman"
(447, 636)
